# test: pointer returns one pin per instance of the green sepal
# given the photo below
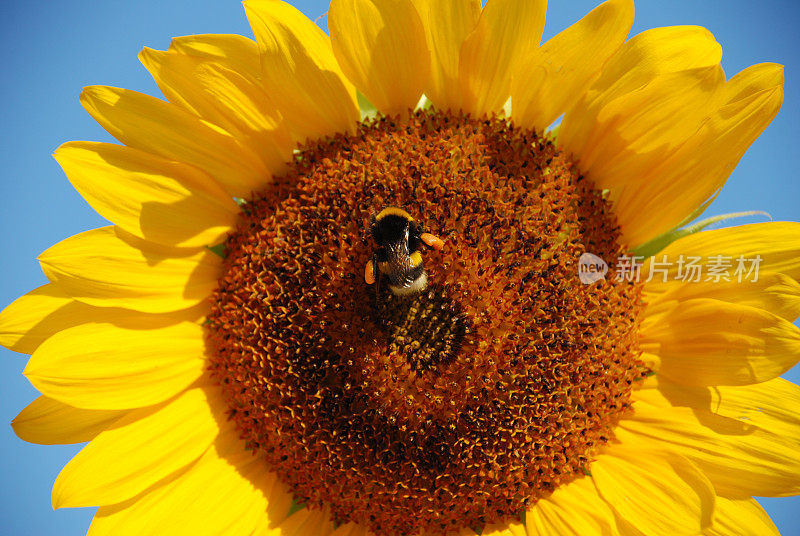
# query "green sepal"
(243, 204)
(296, 506)
(507, 108)
(218, 249)
(368, 110)
(424, 104)
(657, 244)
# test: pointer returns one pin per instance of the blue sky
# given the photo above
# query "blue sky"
(49, 51)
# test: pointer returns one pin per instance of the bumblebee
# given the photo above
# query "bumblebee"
(397, 256)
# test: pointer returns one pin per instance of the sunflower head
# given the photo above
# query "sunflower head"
(464, 404)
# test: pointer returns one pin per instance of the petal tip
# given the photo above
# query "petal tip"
(56, 497)
(146, 55)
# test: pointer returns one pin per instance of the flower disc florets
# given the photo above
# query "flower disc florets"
(456, 407)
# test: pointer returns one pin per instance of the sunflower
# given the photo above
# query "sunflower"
(233, 373)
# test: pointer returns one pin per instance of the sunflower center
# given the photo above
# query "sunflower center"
(455, 407)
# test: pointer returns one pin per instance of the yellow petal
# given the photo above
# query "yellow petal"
(447, 24)
(238, 57)
(736, 517)
(773, 405)
(514, 528)
(230, 99)
(158, 200)
(161, 128)
(743, 438)
(652, 53)
(770, 247)
(640, 60)
(143, 447)
(672, 189)
(103, 366)
(507, 31)
(652, 361)
(31, 318)
(299, 70)
(776, 293)
(554, 77)
(236, 52)
(573, 509)
(175, 69)
(49, 422)
(381, 47)
(710, 342)
(638, 130)
(761, 77)
(222, 493)
(39, 314)
(107, 267)
(657, 492)
(302, 522)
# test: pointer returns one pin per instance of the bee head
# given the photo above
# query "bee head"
(394, 228)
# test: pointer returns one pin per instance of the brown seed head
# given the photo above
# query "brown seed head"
(456, 407)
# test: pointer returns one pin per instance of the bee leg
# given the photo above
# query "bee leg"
(432, 241)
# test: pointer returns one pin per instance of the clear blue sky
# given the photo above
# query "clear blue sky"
(50, 50)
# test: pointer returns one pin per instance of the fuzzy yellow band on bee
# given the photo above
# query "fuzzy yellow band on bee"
(393, 211)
